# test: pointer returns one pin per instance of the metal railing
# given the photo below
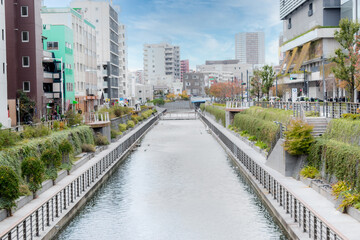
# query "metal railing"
(307, 220)
(301, 109)
(96, 117)
(35, 223)
(179, 116)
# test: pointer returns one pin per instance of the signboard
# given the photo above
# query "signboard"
(293, 76)
(293, 94)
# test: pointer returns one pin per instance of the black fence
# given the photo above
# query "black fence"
(36, 222)
(308, 221)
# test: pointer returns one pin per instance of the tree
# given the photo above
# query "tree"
(9, 188)
(27, 106)
(184, 95)
(32, 170)
(267, 76)
(256, 85)
(347, 57)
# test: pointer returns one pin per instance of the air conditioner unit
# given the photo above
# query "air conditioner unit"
(310, 13)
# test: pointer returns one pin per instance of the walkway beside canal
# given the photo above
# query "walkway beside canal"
(342, 223)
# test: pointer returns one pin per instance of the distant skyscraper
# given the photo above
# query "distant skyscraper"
(250, 47)
(184, 67)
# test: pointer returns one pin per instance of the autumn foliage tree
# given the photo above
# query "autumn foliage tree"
(225, 89)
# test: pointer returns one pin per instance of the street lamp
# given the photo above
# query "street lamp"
(61, 80)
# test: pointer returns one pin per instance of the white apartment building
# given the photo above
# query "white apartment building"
(84, 48)
(161, 64)
(109, 45)
(225, 71)
(250, 47)
(4, 120)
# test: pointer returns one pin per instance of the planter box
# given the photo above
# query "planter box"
(353, 212)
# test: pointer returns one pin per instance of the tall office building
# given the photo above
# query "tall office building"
(110, 36)
(84, 49)
(161, 64)
(250, 47)
(3, 78)
(24, 42)
(184, 68)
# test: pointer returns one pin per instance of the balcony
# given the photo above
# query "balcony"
(313, 35)
(47, 54)
(90, 92)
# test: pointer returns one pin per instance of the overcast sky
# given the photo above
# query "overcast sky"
(204, 29)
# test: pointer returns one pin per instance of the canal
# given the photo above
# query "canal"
(178, 184)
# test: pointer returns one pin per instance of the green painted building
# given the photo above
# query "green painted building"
(59, 40)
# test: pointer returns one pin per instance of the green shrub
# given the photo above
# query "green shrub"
(35, 132)
(146, 114)
(134, 119)
(24, 190)
(114, 134)
(122, 127)
(32, 170)
(309, 172)
(344, 130)
(252, 138)
(243, 133)
(351, 116)
(51, 158)
(65, 149)
(88, 148)
(7, 138)
(130, 124)
(339, 159)
(270, 114)
(73, 118)
(158, 101)
(264, 131)
(298, 138)
(217, 112)
(56, 125)
(261, 145)
(9, 188)
(101, 140)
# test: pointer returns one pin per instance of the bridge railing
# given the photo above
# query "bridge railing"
(35, 223)
(96, 117)
(303, 215)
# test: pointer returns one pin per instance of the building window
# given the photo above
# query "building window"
(52, 45)
(289, 23)
(2, 2)
(26, 86)
(24, 11)
(3, 68)
(26, 61)
(2, 34)
(310, 12)
(25, 36)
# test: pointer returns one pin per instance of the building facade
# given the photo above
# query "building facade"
(110, 45)
(161, 64)
(225, 71)
(194, 84)
(250, 47)
(24, 42)
(184, 67)
(59, 41)
(307, 41)
(84, 50)
(4, 119)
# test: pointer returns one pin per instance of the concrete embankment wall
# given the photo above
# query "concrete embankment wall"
(74, 191)
(295, 216)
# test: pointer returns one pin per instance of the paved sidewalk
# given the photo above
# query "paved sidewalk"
(317, 203)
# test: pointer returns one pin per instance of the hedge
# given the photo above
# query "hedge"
(270, 114)
(344, 130)
(263, 130)
(217, 112)
(13, 156)
(339, 159)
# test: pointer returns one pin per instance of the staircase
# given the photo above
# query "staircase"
(319, 123)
